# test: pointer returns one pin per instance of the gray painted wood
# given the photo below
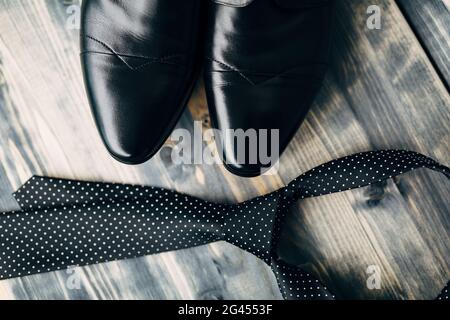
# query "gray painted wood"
(382, 92)
(430, 21)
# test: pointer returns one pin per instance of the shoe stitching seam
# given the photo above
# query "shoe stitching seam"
(232, 69)
(276, 75)
(121, 56)
(315, 80)
(271, 75)
(160, 60)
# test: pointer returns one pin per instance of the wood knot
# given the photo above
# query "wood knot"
(375, 193)
(212, 294)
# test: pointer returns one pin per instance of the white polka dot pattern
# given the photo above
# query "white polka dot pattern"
(444, 296)
(71, 222)
(296, 284)
(65, 223)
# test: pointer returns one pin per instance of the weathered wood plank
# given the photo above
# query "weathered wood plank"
(430, 21)
(380, 80)
(46, 128)
(374, 97)
(382, 92)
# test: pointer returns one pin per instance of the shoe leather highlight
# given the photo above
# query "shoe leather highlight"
(264, 64)
(140, 60)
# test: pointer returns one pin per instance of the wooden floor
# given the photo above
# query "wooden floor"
(386, 88)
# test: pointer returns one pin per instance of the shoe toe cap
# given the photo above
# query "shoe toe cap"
(264, 104)
(134, 107)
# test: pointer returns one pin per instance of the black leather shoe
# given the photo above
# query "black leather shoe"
(140, 60)
(265, 62)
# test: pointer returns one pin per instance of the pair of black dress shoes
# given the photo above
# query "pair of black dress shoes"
(263, 60)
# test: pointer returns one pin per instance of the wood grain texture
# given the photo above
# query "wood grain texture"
(430, 21)
(382, 92)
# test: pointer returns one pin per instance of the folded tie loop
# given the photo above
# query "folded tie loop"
(65, 223)
(249, 225)
(360, 170)
(296, 284)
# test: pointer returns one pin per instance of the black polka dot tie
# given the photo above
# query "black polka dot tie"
(65, 223)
